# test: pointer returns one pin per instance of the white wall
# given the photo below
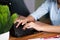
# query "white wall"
(30, 5)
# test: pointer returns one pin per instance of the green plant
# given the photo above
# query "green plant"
(6, 20)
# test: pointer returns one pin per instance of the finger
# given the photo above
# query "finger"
(24, 22)
(26, 26)
(18, 24)
(29, 27)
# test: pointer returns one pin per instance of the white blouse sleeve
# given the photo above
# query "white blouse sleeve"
(42, 10)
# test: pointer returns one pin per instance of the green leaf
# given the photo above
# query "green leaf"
(6, 21)
(11, 21)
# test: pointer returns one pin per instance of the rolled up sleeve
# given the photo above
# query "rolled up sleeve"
(42, 10)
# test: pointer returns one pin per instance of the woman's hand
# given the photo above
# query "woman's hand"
(32, 25)
(24, 20)
(42, 27)
(20, 20)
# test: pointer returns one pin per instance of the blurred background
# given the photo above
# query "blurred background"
(25, 7)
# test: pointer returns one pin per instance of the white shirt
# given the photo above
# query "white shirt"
(48, 7)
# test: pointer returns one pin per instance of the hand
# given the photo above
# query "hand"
(24, 20)
(31, 25)
(20, 21)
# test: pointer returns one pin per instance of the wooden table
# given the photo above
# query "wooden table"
(38, 35)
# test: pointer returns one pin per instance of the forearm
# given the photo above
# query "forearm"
(50, 29)
(47, 28)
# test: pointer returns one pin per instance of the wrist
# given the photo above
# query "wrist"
(38, 28)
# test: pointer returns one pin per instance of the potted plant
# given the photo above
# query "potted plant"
(6, 22)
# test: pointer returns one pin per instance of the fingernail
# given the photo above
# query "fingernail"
(22, 23)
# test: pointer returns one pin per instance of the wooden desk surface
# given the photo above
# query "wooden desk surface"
(38, 35)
